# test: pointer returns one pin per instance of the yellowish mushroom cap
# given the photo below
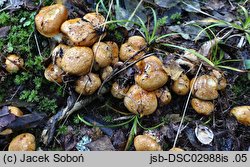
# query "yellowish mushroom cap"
(77, 60)
(103, 54)
(57, 54)
(205, 87)
(146, 143)
(13, 63)
(202, 106)
(88, 84)
(151, 74)
(53, 73)
(181, 85)
(23, 142)
(140, 101)
(131, 47)
(50, 18)
(80, 32)
(242, 114)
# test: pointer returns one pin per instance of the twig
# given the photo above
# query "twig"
(37, 45)
(11, 3)
(186, 105)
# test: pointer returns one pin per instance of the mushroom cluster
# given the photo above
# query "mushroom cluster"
(85, 54)
(205, 89)
(78, 49)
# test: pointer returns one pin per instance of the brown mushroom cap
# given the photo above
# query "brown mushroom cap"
(133, 45)
(202, 106)
(242, 114)
(181, 85)
(103, 54)
(23, 142)
(151, 75)
(15, 110)
(96, 19)
(139, 101)
(205, 87)
(146, 143)
(58, 53)
(88, 84)
(118, 91)
(77, 60)
(80, 32)
(13, 63)
(50, 18)
(105, 72)
(53, 73)
(115, 51)
(164, 96)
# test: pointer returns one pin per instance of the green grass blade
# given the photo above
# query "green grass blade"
(244, 11)
(150, 128)
(132, 134)
(133, 14)
(155, 26)
(220, 23)
(145, 30)
(248, 38)
(167, 35)
(230, 68)
(103, 6)
(236, 26)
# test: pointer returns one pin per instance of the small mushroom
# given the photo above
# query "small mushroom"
(131, 47)
(53, 73)
(164, 96)
(115, 51)
(151, 74)
(23, 142)
(146, 143)
(202, 106)
(181, 85)
(140, 101)
(205, 87)
(77, 60)
(105, 72)
(88, 84)
(242, 114)
(80, 32)
(103, 54)
(118, 91)
(58, 53)
(15, 110)
(13, 63)
(50, 18)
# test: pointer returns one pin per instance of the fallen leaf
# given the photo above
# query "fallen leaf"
(102, 144)
(207, 47)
